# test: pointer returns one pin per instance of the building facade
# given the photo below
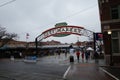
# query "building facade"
(110, 21)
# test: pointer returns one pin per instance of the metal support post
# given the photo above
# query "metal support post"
(36, 43)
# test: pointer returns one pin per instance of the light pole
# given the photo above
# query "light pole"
(111, 55)
(94, 38)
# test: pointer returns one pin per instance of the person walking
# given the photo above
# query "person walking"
(71, 54)
(96, 55)
(82, 55)
(59, 52)
(78, 55)
(86, 56)
(65, 53)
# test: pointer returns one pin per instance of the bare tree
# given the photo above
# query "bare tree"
(5, 37)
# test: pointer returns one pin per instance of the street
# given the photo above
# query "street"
(46, 68)
(53, 68)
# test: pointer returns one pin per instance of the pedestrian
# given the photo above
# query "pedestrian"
(86, 56)
(71, 54)
(78, 55)
(20, 54)
(65, 53)
(96, 56)
(82, 55)
(59, 52)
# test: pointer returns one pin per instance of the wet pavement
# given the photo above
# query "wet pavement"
(57, 68)
(87, 71)
(46, 68)
(92, 70)
(113, 71)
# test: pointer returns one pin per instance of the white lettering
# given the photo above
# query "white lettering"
(70, 29)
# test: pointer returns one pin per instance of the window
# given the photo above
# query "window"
(103, 1)
(115, 12)
(115, 45)
(107, 0)
(116, 41)
(115, 34)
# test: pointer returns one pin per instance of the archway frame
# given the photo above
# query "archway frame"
(65, 30)
(77, 30)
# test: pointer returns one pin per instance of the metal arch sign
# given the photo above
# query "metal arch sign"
(64, 31)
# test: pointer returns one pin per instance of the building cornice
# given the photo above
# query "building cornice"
(110, 21)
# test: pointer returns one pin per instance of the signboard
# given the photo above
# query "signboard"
(98, 36)
(58, 25)
(30, 59)
(61, 30)
(61, 24)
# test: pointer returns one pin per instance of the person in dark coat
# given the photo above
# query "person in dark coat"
(78, 55)
(82, 55)
(87, 56)
(59, 52)
(96, 56)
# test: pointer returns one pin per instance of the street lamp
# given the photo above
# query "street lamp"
(109, 32)
(111, 58)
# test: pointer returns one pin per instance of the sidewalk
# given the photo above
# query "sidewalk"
(92, 71)
(112, 71)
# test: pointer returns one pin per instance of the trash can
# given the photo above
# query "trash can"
(71, 59)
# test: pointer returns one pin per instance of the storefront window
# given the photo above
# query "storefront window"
(115, 46)
(116, 41)
(114, 34)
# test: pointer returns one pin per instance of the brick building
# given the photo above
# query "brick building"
(52, 42)
(110, 21)
(85, 44)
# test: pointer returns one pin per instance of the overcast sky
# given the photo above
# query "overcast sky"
(36, 16)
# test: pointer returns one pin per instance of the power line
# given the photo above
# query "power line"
(78, 13)
(74, 14)
(7, 3)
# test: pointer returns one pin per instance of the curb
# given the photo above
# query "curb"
(109, 74)
(65, 74)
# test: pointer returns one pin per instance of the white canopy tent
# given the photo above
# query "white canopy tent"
(89, 49)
